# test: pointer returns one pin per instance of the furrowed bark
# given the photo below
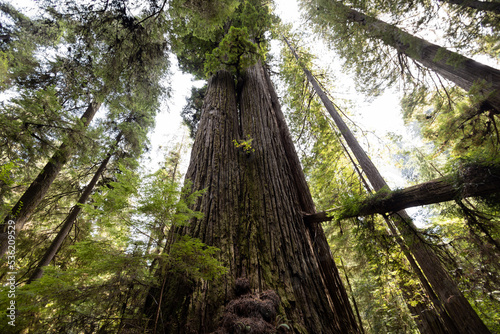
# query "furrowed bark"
(253, 213)
(28, 202)
(71, 218)
(462, 71)
(328, 267)
(463, 316)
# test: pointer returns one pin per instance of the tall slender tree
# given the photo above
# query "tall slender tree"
(22, 210)
(72, 215)
(127, 69)
(458, 314)
(375, 239)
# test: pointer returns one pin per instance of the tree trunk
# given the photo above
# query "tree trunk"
(252, 212)
(358, 315)
(493, 7)
(428, 319)
(328, 267)
(28, 202)
(462, 71)
(470, 181)
(464, 317)
(70, 219)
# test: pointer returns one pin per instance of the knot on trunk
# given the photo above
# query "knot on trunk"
(254, 313)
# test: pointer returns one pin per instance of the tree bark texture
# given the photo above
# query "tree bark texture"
(464, 318)
(35, 193)
(462, 71)
(253, 209)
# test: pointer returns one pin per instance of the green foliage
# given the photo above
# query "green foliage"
(164, 204)
(4, 67)
(234, 54)
(7, 179)
(194, 259)
(98, 289)
(471, 230)
(377, 274)
(202, 18)
(372, 259)
(244, 145)
(375, 65)
(233, 45)
(463, 27)
(191, 112)
(100, 277)
(6, 172)
(99, 51)
(32, 123)
(326, 166)
(350, 204)
(22, 38)
(112, 200)
(457, 125)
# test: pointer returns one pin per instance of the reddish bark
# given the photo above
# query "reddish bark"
(253, 212)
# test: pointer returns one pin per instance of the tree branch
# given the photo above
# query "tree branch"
(469, 181)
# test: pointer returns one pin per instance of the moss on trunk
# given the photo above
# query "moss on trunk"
(253, 210)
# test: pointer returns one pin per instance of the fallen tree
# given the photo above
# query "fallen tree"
(471, 180)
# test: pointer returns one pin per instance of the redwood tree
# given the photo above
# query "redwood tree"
(30, 199)
(253, 207)
(70, 219)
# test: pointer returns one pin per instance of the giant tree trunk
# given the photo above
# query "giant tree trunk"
(463, 317)
(28, 202)
(253, 210)
(462, 71)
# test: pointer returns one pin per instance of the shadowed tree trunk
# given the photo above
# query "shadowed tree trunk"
(462, 71)
(253, 207)
(463, 317)
(71, 218)
(354, 303)
(28, 202)
(429, 318)
(489, 6)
